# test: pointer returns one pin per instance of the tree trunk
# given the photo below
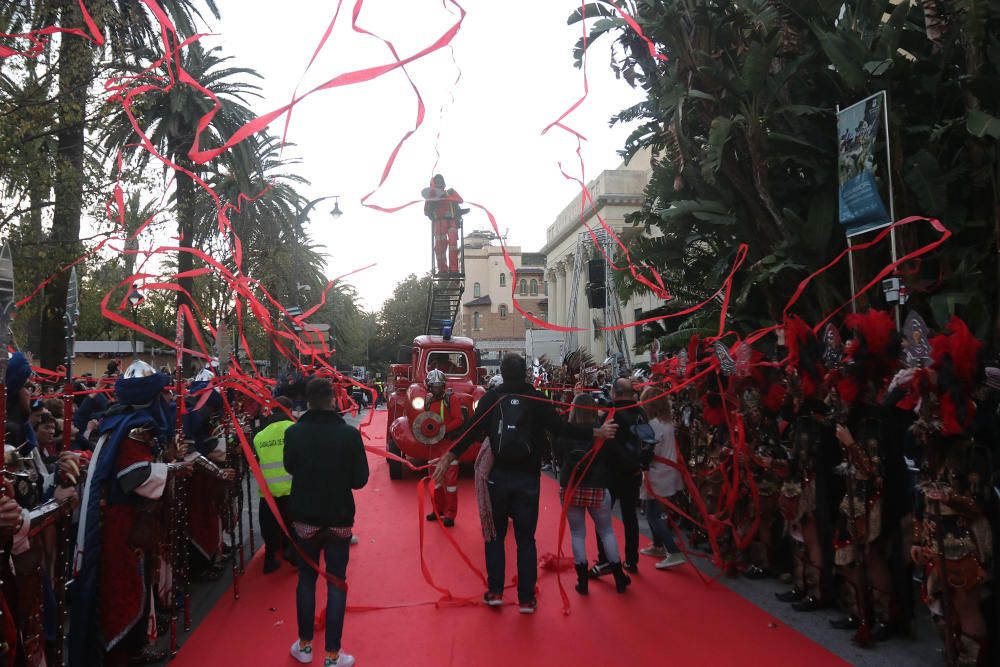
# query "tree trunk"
(76, 72)
(185, 260)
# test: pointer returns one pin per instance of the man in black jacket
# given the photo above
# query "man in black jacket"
(626, 477)
(514, 482)
(326, 459)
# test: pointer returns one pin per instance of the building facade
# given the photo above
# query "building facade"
(488, 315)
(616, 193)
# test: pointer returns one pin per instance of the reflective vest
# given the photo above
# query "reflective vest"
(270, 446)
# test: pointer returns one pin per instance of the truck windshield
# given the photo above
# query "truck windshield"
(450, 363)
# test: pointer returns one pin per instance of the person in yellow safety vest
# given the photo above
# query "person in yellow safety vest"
(269, 444)
(441, 402)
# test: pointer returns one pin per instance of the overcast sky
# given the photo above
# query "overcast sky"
(517, 76)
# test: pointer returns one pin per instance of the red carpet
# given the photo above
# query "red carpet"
(666, 618)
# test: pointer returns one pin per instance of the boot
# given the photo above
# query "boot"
(621, 579)
(582, 579)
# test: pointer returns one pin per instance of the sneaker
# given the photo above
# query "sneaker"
(448, 522)
(342, 660)
(528, 606)
(653, 550)
(493, 599)
(432, 516)
(672, 560)
(354, 540)
(303, 655)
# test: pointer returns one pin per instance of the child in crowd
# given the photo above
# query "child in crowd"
(660, 480)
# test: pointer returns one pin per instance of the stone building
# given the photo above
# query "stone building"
(487, 314)
(616, 193)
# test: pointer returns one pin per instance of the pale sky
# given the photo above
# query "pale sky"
(517, 76)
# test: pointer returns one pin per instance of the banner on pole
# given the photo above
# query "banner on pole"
(861, 206)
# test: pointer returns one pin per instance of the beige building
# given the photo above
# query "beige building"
(616, 193)
(487, 314)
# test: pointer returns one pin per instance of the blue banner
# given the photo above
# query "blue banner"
(861, 206)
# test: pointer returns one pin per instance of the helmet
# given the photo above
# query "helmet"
(435, 377)
(139, 369)
(495, 381)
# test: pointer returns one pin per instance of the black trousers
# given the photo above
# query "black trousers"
(625, 491)
(274, 540)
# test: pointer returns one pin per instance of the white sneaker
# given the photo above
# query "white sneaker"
(303, 655)
(651, 550)
(354, 540)
(343, 660)
(672, 560)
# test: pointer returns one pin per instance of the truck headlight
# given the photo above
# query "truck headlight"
(418, 403)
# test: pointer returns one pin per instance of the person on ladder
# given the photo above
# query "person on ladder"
(441, 205)
(439, 401)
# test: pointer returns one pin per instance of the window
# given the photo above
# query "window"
(476, 289)
(528, 324)
(451, 363)
(534, 287)
(524, 286)
(503, 312)
(477, 321)
(503, 280)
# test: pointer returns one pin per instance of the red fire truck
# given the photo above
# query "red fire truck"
(417, 434)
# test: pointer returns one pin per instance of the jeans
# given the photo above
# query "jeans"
(514, 495)
(335, 552)
(625, 491)
(577, 518)
(662, 537)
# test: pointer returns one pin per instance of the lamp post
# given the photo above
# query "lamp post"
(135, 298)
(335, 213)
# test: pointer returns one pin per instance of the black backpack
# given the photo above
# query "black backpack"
(510, 437)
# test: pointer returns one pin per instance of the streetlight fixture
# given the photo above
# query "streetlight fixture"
(135, 298)
(304, 213)
(336, 212)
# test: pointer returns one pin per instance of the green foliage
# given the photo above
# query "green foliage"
(742, 120)
(401, 319)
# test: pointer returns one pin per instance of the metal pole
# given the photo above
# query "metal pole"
(134, 315)
(892, 203)
(850, 267)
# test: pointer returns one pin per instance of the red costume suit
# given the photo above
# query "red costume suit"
(442, 207)
(446, 496)
(130, 537)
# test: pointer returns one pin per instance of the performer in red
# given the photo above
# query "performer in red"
(120, 535)
(442, 207)
(439, 402)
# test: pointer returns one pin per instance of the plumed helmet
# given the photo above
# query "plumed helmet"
(495, 381)
(204, 375)
(435, 377)
(139, 369)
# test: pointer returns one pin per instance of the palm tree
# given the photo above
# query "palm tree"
(132, 33)
(169, 118)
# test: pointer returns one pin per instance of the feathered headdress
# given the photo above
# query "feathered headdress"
(872, 355)
(805, 354)
(956, 359)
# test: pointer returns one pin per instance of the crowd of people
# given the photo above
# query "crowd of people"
(849, 464)
(113, 502)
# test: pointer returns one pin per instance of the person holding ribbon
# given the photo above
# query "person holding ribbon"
(439, 402)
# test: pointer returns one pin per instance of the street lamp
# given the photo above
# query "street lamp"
(304, 213)
(135, 298)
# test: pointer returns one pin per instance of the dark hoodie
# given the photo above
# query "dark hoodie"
(326, 459)
(543, 418)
